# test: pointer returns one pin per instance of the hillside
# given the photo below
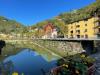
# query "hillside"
(8, 26)
(80, 14)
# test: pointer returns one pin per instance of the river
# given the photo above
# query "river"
(29, 62)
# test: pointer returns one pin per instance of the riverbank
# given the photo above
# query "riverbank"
(15, 46)
(49, 49)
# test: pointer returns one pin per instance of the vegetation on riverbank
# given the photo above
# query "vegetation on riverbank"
(14, 47)
(78, 64)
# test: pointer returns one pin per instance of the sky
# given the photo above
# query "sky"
(30, 12)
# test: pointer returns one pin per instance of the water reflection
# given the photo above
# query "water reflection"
(30, 63)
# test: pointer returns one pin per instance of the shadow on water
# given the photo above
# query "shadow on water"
(2, 44)
(88, 46)
(30, 63)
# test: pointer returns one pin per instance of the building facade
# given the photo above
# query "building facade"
(87, 28)
(50, 31)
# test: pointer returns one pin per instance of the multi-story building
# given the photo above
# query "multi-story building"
(97, 27)
(50, 31)
(87, 28)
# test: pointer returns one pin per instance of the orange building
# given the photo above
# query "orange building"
(48, 28)
(50, 31)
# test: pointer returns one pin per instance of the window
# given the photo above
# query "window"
(85, 30)
(85, 19)
(71, 26)
(99, 30)
(77, 26)
(98, 23)
(85, 24)
(82, 36)
(99, 16)
(77, 21)
(78, 31)
(71, 31)
(78, 36)
(71, 36)
(86, 36)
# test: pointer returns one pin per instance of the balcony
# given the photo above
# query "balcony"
(97, 31)
(77, 31)
(97, 23)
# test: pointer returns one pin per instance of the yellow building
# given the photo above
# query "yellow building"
(87, 28)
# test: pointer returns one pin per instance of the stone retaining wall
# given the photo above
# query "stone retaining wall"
(64, 47)
(97, 45)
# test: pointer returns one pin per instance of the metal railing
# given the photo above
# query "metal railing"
(98, 38)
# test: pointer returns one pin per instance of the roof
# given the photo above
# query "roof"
(49, 24)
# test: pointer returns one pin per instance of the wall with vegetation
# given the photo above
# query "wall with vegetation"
(63, 48)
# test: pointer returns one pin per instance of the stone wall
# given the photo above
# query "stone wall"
(61, 47)
(97, 45)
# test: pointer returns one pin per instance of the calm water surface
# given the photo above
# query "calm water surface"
(30, 62)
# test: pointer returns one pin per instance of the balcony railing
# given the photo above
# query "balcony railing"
(97, 32)
(97, 23)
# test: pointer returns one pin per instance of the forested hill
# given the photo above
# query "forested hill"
(80, 14)
(8, 26)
